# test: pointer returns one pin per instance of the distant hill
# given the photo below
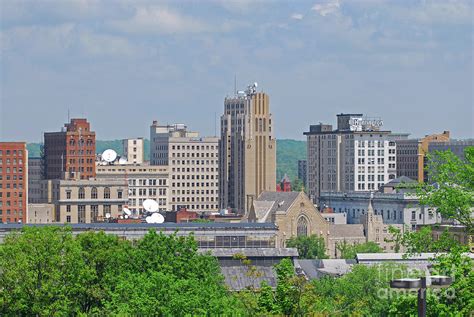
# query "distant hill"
(288, 153)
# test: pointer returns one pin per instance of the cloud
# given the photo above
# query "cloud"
(444, 12)
(326, 8)
(297, 16)
(153, 19)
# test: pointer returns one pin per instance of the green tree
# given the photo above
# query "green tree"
(415, 242)
(297, 185)
(309, 247)
(42, 273)
(451, 186)
(349, 251)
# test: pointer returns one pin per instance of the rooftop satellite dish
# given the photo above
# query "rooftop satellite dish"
(126, 211)
(126, 216)
(150, 205)
(255, 85)
(109, 155)
(107, 215)
(155, 218)
(121, 217)
(123, 161)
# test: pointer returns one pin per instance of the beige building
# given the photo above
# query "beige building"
(144, 182)
(247, 160)
(411, 155)
(41, 213)
(85, 201)
(133, 150)
(193, 166)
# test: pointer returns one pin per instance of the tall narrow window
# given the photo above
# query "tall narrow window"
(94, 193)
(106, 193)
(82, 193)
(302, 227)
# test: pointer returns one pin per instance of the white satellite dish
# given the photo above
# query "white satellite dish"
(255, 85)
(109, 155)
(126, 216)
(126, 211)
(150, 205)
(123, 161)
(155, 218)
(107, 215)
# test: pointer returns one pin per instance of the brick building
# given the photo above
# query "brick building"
(72, 150)
(13, 182)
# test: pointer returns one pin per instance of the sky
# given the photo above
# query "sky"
(123, 64)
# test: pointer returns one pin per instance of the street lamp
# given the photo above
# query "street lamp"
(421, 284)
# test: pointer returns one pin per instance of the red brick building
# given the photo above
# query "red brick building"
(284, 185)
(71, 150)
(13, 182)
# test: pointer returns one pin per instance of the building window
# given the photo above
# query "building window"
(94, 193)
(106, 193)
(119, 194)
(81, 213)
(302, 227)
(68, 194)
(82, 193)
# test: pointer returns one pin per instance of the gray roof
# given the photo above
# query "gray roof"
(365, 257)
(252, 252)
(315, 268)
(346, 230)
(269, 203)
(400, 180)
(237, 277)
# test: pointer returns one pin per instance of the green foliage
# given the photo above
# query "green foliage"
(349, 251)
(297, 185)
(312, 247)
(451, 186)
(48, 271)
(415, 242)
(288, 154)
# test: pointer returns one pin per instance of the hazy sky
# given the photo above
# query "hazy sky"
(123, 64)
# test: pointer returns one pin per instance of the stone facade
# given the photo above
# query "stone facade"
(41, 213)
(85, 201)
(144, 182)
(247, 159)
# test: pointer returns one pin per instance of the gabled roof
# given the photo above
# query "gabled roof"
(269, 203)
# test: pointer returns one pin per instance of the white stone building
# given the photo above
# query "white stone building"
(193, 166)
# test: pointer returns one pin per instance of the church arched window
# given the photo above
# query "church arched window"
(302, 227)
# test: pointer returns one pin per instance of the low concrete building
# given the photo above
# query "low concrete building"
(41, 213)
(395, 206)
(144, 182)
(85, 201)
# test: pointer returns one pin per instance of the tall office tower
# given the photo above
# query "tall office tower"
(357, 156)
(133, 150)
(13, 182)
(247, 159)
(193, 166)
(411, 155)
(70, 151)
